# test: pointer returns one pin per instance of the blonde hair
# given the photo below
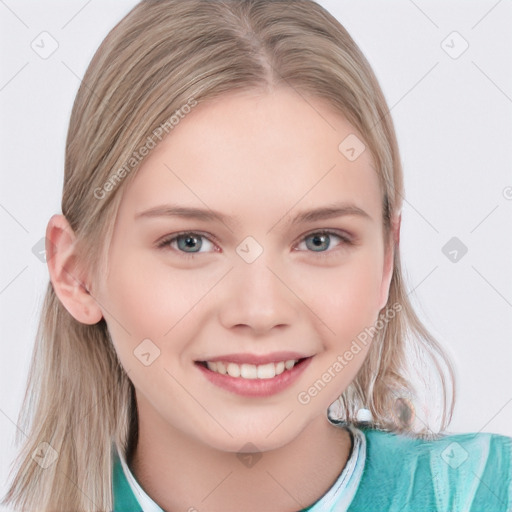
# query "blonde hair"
(162, 54)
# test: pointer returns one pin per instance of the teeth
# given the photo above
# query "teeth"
(233, 370)
(212, 366)
(289, 364)
(251, 371)
(266, 371)
(248, 371)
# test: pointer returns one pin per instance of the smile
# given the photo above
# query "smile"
(251, 371)
(256, 380)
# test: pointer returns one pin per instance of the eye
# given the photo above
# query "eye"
(321, 241)
(187, 242)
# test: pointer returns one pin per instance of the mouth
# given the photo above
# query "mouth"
(253, 379)
(251, 371)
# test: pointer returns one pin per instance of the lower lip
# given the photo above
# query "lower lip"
(256, 387)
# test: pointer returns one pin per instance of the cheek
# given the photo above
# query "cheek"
(347, 297)
(346, 300)
(150, 300)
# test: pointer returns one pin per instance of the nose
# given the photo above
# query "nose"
(257, 297)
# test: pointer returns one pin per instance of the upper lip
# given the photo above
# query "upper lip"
(255, 359)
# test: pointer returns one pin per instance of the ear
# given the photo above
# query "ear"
(389, 259)
(67, 279)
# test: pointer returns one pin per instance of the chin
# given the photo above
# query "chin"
(252, 436)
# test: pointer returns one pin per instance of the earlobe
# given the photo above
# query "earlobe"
(65, 274)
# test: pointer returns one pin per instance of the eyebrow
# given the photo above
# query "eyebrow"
(208, 215)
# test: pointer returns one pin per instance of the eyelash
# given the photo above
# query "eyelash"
(165, 243)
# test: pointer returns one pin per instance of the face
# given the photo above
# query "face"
(252, 284)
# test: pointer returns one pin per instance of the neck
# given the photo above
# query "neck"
(179, 473)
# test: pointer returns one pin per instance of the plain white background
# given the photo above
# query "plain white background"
(452, 108)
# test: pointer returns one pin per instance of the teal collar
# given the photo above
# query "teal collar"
(124, 500)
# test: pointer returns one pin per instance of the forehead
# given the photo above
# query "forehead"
(260, 154)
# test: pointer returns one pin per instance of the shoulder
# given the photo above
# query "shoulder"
(458, 472)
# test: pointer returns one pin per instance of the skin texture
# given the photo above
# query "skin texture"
(261, 158)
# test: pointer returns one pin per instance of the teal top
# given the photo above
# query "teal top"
(394, 473)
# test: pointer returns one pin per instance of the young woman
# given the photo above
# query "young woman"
(226, 327)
